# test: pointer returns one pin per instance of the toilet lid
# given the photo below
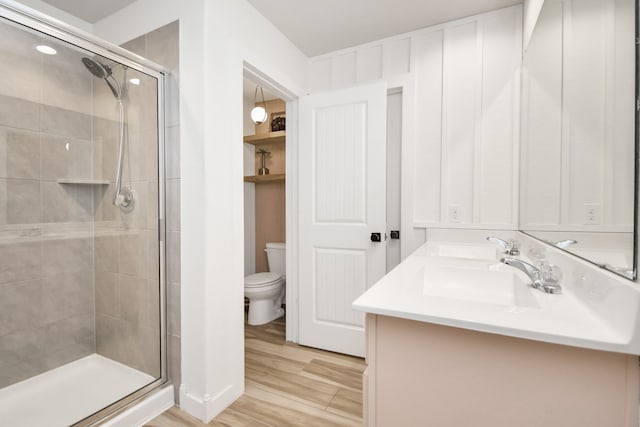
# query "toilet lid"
(261, 279)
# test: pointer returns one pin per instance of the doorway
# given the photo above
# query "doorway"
(270, 187)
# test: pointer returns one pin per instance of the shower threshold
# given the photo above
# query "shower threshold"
(70, 393)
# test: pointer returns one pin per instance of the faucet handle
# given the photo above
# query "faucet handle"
(510, 247)
(550, 273)
(514, 247)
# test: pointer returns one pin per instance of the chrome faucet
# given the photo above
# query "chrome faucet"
(540, 281)
(564, 243)
(510, 247)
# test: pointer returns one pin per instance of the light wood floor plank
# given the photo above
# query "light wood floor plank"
(287, 385)
(347, 377)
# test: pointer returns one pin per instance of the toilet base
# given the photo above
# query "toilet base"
(263, 311)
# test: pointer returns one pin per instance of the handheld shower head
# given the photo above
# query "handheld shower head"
(97, 69)
(103, 71)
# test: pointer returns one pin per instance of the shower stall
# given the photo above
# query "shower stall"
(82, 300)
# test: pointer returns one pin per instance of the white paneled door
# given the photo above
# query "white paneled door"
(342, 200)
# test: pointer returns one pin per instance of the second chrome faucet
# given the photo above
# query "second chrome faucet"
(544, 278)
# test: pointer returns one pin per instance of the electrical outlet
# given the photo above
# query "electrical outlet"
(592, 213)
(454, 213)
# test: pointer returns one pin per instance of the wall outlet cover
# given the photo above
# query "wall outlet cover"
(592, 213)
(455, 213)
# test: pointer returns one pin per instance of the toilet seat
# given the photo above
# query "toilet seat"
(261, 279)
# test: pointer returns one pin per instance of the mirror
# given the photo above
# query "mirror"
(578, 134)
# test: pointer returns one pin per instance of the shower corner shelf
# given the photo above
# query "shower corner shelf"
(265, 178)
(266, 138)
(83, 181)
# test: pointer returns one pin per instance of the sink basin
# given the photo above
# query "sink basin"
(490, 285)
(486, 252)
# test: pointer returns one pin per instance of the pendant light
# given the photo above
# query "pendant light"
(259, 114)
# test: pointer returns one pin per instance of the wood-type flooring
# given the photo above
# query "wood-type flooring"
(287, 385)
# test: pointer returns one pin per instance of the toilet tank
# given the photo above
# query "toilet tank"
(276, 257)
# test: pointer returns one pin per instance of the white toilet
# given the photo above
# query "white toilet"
(265, 291)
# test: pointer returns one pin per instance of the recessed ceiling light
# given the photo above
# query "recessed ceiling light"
(47, 50)
(135, 82)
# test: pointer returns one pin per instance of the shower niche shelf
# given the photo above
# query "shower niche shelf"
(83, 181)
(265, 178)
(266, 138)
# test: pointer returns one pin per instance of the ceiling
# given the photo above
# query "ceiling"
(91, 11)
(318, 27)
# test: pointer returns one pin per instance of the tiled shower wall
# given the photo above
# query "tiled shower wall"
(46, 229)
(162, 47)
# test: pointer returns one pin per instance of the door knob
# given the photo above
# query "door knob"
(376, 237)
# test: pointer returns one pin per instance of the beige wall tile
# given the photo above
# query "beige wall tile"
(172, 150)
(21, 347)
(134, 300)
(62, 122)
(137, 46)
(173, 318)
(173, 257)
(141, 346)
(66, 81)
(20, 261)
(77, 331)
(64, 157)
(109, 336)
(18, 113)
(132, 244)
(153, 319)
(108, 294)
(163, 45)
(67, 294)
(23, 201)
(20, 306)
(60, 255)
(103, 203)
(19, 154)
(107, 250)
(18, 53)
(66, 202)
(173, 204)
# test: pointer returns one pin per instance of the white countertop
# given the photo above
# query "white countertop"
(466, 286)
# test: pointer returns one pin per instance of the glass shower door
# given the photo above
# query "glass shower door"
(80, 267)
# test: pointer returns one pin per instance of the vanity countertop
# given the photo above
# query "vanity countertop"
(466, 286)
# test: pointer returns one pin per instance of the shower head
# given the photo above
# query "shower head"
(97, 69)
(103, 71)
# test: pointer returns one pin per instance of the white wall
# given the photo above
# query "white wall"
(460, 117)
(215, 39)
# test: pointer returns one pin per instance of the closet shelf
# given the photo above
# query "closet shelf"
(266, 138)
(265, 178)
(83, 181)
